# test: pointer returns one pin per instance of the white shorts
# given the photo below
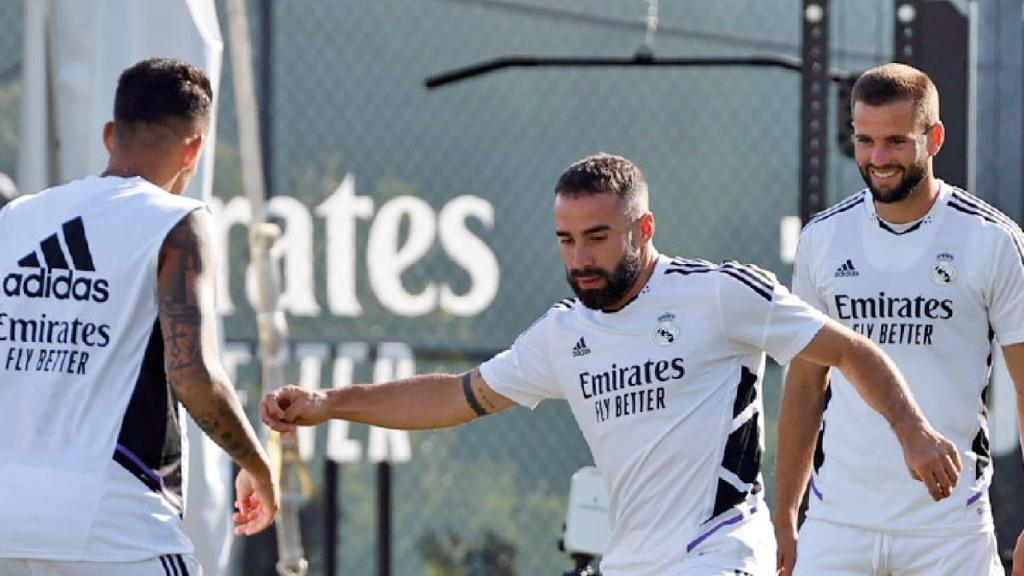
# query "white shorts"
(170, 565)
(827, 549)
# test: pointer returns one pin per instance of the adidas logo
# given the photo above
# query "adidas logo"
(580, 349)
(846, 270)
(54, 276)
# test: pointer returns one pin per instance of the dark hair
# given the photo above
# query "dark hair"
(899, 82)
(606, 173)
(166, 92)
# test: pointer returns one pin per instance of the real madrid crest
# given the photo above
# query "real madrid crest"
(667, 331)
(944, 271)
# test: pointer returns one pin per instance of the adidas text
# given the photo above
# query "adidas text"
(580, 349)
(56, 284)
(846, 270)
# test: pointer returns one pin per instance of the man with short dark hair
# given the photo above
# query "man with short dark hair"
(106, 322)
(931, 274)
(660, 360)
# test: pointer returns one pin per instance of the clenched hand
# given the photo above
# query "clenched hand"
(290, 406)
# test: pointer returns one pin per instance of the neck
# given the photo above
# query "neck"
(649, 259)
(155, 172)
(119, 172)
(913, 207)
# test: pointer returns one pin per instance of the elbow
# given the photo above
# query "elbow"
(858, 351)
(197, 382)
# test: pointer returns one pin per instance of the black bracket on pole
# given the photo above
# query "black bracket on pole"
(641, 59)
(814, 91)
(815, 73)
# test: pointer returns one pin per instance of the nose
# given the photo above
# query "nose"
(581, 257)
(880, 155)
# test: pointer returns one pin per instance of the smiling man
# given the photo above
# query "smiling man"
(660, 360)
(931, 274)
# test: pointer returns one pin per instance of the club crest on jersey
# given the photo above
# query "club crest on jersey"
(58, 275)
(667, 331)
(943, 272)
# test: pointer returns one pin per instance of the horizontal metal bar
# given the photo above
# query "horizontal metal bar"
(639, 60)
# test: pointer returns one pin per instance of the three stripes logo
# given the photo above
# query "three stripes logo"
(580, 349)
(64, 253)
(847, 270)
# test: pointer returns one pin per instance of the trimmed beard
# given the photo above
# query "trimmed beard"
(914, 174)
(617, 283)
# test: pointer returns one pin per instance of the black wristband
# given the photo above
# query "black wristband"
(467, 389)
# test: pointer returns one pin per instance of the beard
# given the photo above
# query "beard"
(912, 176)
(616, 283)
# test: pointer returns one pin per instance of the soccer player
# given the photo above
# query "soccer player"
(106, 322)
(660, 360)
(931, 274)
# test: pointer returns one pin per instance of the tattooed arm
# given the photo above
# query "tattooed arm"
(417, 403)
(192, 360)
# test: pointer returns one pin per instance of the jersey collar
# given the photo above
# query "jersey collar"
(901, 230)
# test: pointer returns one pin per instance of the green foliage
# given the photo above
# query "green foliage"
(448, 554)
(10, 123)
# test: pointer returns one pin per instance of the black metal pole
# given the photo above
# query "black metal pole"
(266, 92)
(384, 519)
(331, 486)
(814, 90)
(935, 37)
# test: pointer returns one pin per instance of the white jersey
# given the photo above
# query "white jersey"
(932, 295)
(667, 394)
(90, 451)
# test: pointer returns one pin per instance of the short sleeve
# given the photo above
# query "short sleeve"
(757, 311)
(804, 277)
(1006, 295)
(522, 373)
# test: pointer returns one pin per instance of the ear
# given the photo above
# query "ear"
(193, 148)
(108, 137)
(646, 227)
(936, 137)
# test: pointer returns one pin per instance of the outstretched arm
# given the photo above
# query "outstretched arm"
(803, 402)
(1014, 355)
(191, 358)
(417, 403)
(930, 457)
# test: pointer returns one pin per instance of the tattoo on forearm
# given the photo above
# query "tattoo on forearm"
(473, 399)
(181, 319)
(236, 446)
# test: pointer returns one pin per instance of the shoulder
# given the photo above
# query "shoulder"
(16, 204)
(981, 213)
(837, 212)
(686, 266)
(154, 195)
(755, 278)
(761, 281)
(563, 306)
(188, 239)
(558, 312)
(990, 220)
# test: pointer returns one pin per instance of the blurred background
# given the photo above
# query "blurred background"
(418, 228)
